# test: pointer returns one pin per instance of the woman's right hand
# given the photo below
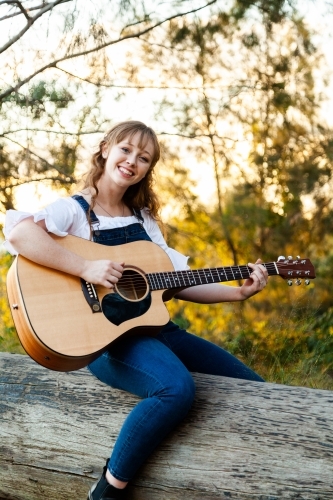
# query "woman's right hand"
(102, 272)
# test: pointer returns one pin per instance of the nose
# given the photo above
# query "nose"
(131, 159)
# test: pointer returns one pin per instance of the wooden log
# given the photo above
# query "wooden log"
(241, 440)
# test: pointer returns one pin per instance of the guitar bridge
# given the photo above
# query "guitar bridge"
(91, 296)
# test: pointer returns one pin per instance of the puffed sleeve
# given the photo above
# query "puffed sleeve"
(61, 217)
(178, 260)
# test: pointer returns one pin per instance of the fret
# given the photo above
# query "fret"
(152, 281)
(191, 277)
(240, 272)
(221, 274)
(181, 278)
(188, 278)
(202, 276)
(233, 276)
(159, 281)
(245, 271)
(176, 279)
(236, 272)
(199, 276)
(272, 268)
(164, 280)
(170, 280)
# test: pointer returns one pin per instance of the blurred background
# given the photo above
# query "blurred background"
(240, 93)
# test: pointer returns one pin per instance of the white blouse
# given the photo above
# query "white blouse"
(65, 216)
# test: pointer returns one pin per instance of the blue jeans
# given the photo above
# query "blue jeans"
(157, 369)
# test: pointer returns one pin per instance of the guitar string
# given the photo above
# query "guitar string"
(189, 274)
(207, 271)
(193, 273)
(139, 281)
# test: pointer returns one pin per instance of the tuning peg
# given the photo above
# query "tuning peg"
(290, 257)
(290, 283)
(298, 282)
(298, 257)
(307, 282)
(282, 257)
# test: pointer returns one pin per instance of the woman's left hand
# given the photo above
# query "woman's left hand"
(256, 282)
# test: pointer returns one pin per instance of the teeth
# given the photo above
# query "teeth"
(125, 171)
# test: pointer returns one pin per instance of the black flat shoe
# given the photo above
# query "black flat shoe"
(102, 490)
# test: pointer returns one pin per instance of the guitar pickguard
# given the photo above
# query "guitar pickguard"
(118, 310)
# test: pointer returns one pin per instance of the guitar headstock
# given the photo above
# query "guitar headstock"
(295, 269)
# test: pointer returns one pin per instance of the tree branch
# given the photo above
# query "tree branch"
(89, 132)
(54, 63)
(43, 160)
(30, 21)
(22, 9)
(9, 16)
(155, 87)
(28, 180)
(198, 136)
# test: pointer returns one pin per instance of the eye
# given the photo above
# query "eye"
(143, 158)
(126, 150)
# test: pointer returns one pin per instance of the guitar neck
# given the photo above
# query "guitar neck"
(176, 279)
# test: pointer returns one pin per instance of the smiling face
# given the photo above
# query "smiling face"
(128, 161)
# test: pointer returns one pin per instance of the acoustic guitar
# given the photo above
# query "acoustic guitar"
(64, 323)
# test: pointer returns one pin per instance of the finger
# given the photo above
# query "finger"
(260, 271)
(119, 267)
(115, 275)
(263, 270)
(113, 272)
(258, 279)
(107, 284)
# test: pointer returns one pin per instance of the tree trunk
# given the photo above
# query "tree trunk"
(241, 440)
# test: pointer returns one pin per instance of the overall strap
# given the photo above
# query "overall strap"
(85, 207)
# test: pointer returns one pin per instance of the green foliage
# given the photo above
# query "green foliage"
(246, 107)
(273, 200)
(39, 95)
(320, 342)
(274, 10)
(8, 339)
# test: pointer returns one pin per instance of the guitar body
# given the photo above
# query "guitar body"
(53, 319)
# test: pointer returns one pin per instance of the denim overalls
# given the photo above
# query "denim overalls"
(156, 369)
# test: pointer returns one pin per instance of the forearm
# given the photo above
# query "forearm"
(33, 242)
(211, 294)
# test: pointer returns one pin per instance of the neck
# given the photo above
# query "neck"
(109, 196)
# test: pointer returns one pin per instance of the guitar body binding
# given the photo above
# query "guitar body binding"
(53, 320)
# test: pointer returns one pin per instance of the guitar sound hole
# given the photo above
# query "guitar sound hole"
(132, 286)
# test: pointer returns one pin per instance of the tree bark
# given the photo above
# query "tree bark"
(241, 440)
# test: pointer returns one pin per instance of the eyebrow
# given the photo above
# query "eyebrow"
(144, 150)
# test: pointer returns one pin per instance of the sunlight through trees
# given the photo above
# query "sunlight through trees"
(234, 89)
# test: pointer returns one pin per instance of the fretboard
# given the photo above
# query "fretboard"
(176, 279)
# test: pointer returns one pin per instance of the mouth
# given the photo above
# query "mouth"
(125, 171)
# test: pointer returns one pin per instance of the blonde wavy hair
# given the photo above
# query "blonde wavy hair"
(137, 196)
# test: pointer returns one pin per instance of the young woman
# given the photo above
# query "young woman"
(118, 205)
